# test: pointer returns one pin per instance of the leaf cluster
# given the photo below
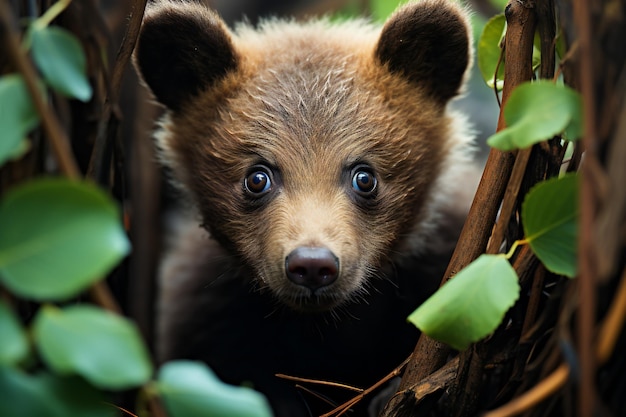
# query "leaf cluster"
(474, 302)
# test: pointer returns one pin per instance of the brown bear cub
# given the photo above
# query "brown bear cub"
(330, 178)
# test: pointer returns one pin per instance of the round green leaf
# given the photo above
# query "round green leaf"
(536, 112)
(58, 237)
(191, 389)
(489, 51)
(471, 305)
(45, 395)
(61, 60)
(103, 347)
(17, 116)
(14, 345)
(550, 219)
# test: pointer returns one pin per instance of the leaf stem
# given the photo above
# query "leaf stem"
(55, 10)
(514, 246)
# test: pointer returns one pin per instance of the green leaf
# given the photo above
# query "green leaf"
(103, 347)
(17, 116)
(14, 345)
(550, 219)
(536, 112)
(45, 395)
(471, 305)
(58, 237)
(191, 389)
(489, 51)
(61, 60)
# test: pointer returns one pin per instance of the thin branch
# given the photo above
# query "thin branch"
(343, 408)
(613, 323)
(319, 382)
(510, 200)
(101, 294)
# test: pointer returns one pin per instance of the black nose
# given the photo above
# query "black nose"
(312, 267)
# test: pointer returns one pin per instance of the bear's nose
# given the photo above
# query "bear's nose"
(312, 267)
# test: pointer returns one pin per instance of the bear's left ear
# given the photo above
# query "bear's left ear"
(428, 42)
(183, 48)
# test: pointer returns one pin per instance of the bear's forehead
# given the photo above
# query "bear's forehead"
(309, 65)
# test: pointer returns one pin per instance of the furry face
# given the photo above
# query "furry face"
(312, 150)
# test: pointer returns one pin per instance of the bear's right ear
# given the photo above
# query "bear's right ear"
(183, 48)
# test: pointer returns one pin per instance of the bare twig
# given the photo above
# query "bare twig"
(319, 382)
(343, 408)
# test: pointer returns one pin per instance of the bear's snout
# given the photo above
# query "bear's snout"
(312, 267)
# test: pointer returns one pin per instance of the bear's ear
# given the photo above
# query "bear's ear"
(183, 47)
(428, 42)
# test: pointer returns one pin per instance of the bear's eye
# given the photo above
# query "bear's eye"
(364, 181)
(259, 181)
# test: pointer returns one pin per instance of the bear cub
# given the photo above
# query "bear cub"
(327, 179)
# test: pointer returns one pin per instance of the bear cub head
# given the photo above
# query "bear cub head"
(317, 153)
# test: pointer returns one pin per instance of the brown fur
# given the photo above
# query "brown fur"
(310, 101)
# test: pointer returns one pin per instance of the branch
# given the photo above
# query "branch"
(128, 46)
(510, 200)
(109, 121)
(613, 323)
